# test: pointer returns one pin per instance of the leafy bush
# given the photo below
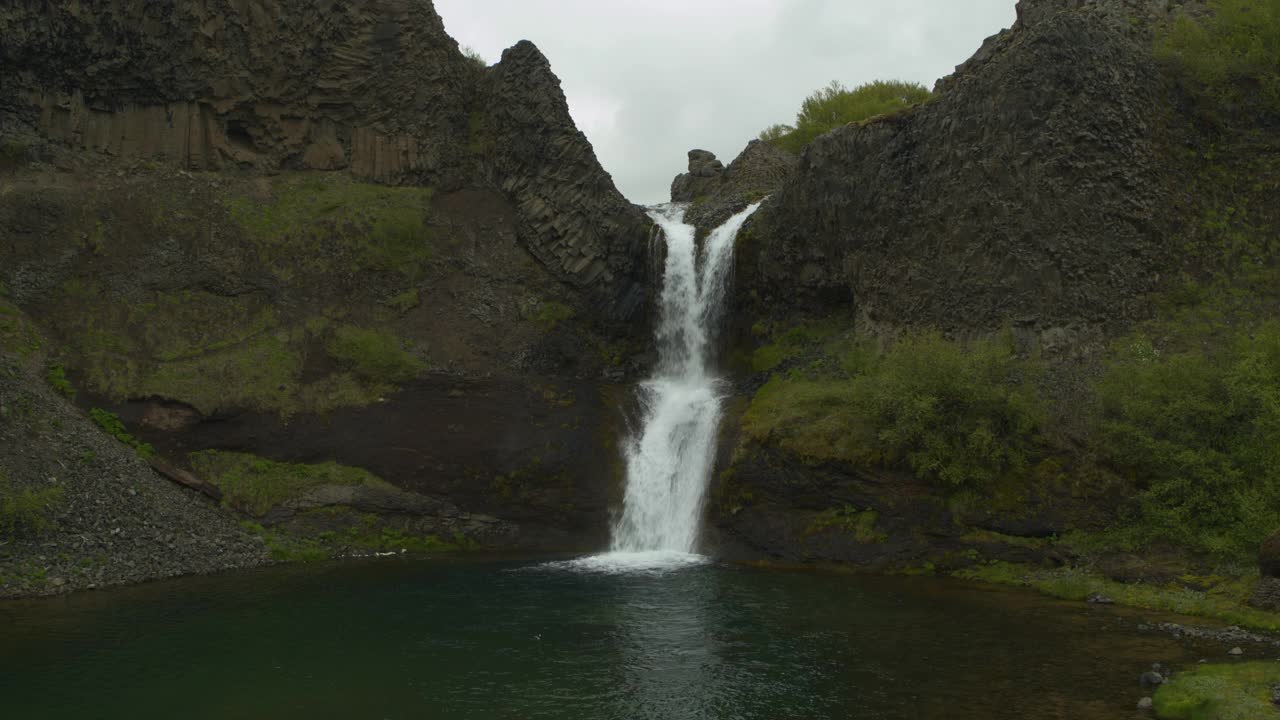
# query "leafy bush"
(25, 511)
(1232, 54)
(375, 355)
(836, 105)
(112, 425)
(1199, 431)
(474, 56)
(964, 416)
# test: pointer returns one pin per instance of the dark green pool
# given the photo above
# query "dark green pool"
(474, 638)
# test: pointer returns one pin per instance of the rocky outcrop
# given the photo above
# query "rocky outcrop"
(1028, 191)
(376, 89)
(757, 171)
(571, 216)
(703, 178)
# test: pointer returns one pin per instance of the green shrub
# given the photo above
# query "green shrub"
(836, 105)
(474, 56)
(112, 425)
(25, 511)
(1231, 55)
(57, 377)
(963, 416)
(375, 355)
(1198, 430)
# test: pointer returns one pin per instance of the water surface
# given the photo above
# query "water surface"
(478, 638)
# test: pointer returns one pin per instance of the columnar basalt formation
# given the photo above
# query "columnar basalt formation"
(375, 88)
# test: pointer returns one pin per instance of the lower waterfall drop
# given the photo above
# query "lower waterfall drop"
(669, 462)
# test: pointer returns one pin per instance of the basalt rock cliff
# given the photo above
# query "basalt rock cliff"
(374, 88)
(1028, 190)
(321, 269)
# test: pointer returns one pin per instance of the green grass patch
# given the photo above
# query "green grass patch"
(861, 524)
(261, 373)
(375, 355)
(547, 315)
(17, 334)
(1235, 691)
(287, 548)
(836, 105)
(1227, 600)
(57, 378)
(113, 426)
(254, 485)
(1230, 56)
(321, 223)
(23, 511)
(369, 534)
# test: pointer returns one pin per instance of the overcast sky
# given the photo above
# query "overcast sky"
(647, 81)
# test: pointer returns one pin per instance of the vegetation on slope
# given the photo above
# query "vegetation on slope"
(1237, 691)
(835, 105)
(961, 415)
(1232, 56)
(24, 511)
(255, 485)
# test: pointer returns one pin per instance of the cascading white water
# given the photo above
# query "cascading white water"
(669, 462)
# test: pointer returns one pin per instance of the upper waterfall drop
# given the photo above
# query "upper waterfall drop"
(670, 460)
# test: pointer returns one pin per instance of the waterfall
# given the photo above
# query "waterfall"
(669, 460)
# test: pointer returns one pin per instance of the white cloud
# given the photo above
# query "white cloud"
(647, 81)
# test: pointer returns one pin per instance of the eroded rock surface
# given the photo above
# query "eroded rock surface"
(373, 88)
(1027, 191)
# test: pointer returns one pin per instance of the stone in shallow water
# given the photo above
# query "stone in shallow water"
(1145, 704)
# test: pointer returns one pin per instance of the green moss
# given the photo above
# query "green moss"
(986, 537)
(370, 536)
(255, 485)
(1226, 600)
(479, 137)
(260, 374)
(287, 548)
(1237, 691)
(405, 301)
(23, 511)
(112, 425)
(1229, 55)
(547, 315)
(17, 334)
(57, 377)
(374, 355)
(861, 524)
(361, 227)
